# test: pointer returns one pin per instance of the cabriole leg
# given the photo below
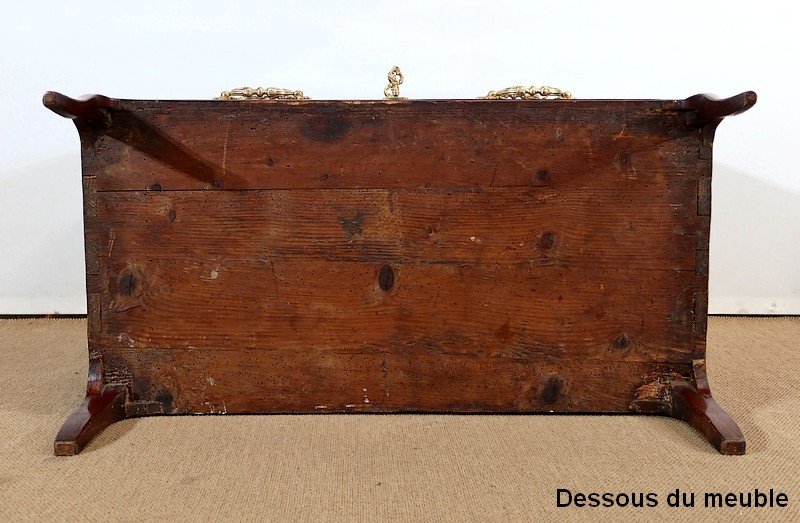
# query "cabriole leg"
(97, 412)
(691, 401)
(698, 408)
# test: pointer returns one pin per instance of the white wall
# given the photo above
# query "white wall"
(193, 50)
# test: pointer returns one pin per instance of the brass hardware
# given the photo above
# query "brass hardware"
(261, 93)
(392, 90)
(528, 93)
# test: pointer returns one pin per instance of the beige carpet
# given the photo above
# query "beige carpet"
(390, 467)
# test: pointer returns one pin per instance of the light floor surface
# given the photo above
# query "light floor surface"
(391, 467)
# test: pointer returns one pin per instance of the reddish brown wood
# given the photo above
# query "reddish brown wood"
(415, 378)
(481, 310)
(385, 144)
(690, 400)
(395, 256)
(97, 412)
(646, 226)
(89, 108)
(705, 109)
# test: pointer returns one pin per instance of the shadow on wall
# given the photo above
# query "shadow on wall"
(755, 245)
(42, 266)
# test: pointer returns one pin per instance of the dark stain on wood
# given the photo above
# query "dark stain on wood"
(351, 226)
(141, 388)
(326, 127)
(386, 277)
(127, 283)
(504, 332)
(165, 398)
(552, 390)
(625, 159)
(622, 342)
(547, 240)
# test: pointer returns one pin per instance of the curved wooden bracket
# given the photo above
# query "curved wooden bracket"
(704, 109)
(691, 401)
(97, 412)
(89, 107)
(102, 406)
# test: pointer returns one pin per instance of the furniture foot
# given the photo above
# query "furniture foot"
(98, 411)
(698, 409)
(678, 397)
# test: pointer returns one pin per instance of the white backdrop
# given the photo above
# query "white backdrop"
(193, 50)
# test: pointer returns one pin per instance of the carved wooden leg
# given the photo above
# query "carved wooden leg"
(98, 411)
(698, 409)
(692, 402)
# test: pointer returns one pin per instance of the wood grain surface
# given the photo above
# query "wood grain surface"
(469, 235)
(393, 256)
(186, 381)
(648, 226)
(507, 311)
(444, 144)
